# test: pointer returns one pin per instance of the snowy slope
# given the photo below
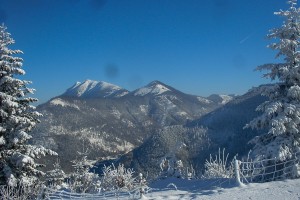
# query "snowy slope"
(90, 88)
(201, 189)
(174, 189)
(154, 88)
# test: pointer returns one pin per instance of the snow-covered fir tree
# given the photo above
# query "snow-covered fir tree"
(17, 118)
(281, 113)
(55, 178)
(82, 180)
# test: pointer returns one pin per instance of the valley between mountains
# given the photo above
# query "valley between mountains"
(140, 128)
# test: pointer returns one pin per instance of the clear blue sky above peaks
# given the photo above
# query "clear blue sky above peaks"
(197, 46)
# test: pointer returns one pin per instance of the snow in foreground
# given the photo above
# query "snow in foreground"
(220, 190)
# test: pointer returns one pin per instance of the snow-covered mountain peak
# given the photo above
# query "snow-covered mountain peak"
(154, 83)
(155, 88)
(91, 88)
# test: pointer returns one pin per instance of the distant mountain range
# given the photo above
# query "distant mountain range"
(112, 121)
(194, 141)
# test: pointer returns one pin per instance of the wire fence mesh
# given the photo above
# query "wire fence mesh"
(268, 169)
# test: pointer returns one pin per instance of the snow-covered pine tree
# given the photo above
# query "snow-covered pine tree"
(82, 180)
(17, 118)
(55, 177)
(281, 113)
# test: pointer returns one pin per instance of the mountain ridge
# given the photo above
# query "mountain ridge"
(102, 89)
(94, 89)
(109, 124)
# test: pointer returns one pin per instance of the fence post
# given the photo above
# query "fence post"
(237, 172)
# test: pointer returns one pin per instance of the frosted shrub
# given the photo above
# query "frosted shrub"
(175, 168)
(218, 167)
(21, 192)
(117, 178)
(190, 173)
(12, 193)
(296, 171)
(170, 168)
(178, 170)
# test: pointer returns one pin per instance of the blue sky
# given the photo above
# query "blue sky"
(197, 46)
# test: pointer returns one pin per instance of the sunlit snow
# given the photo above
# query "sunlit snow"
(94, 88)
(225, 98)
(203, 100)
(60, 102)
(172, 188)
(156, 89)
(186, 190)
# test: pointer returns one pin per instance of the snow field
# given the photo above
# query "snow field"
(224, 190)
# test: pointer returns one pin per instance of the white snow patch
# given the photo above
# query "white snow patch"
(147, 123)
(122, 94)
(165, 102)
(101, 140)
(182, 113)
(128, 123)
(203, 100)
(225, 98)
(60, 102)
(116, 113)
(144, 108)
(154, 89)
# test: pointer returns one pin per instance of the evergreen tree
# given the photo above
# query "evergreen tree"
(17, 119)
(55, 178)
(281, 113)
(82, 180)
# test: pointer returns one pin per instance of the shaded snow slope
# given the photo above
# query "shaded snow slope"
(175, 189)
(214, 190)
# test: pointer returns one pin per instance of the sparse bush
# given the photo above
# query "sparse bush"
(219, 167)
(22, 192)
